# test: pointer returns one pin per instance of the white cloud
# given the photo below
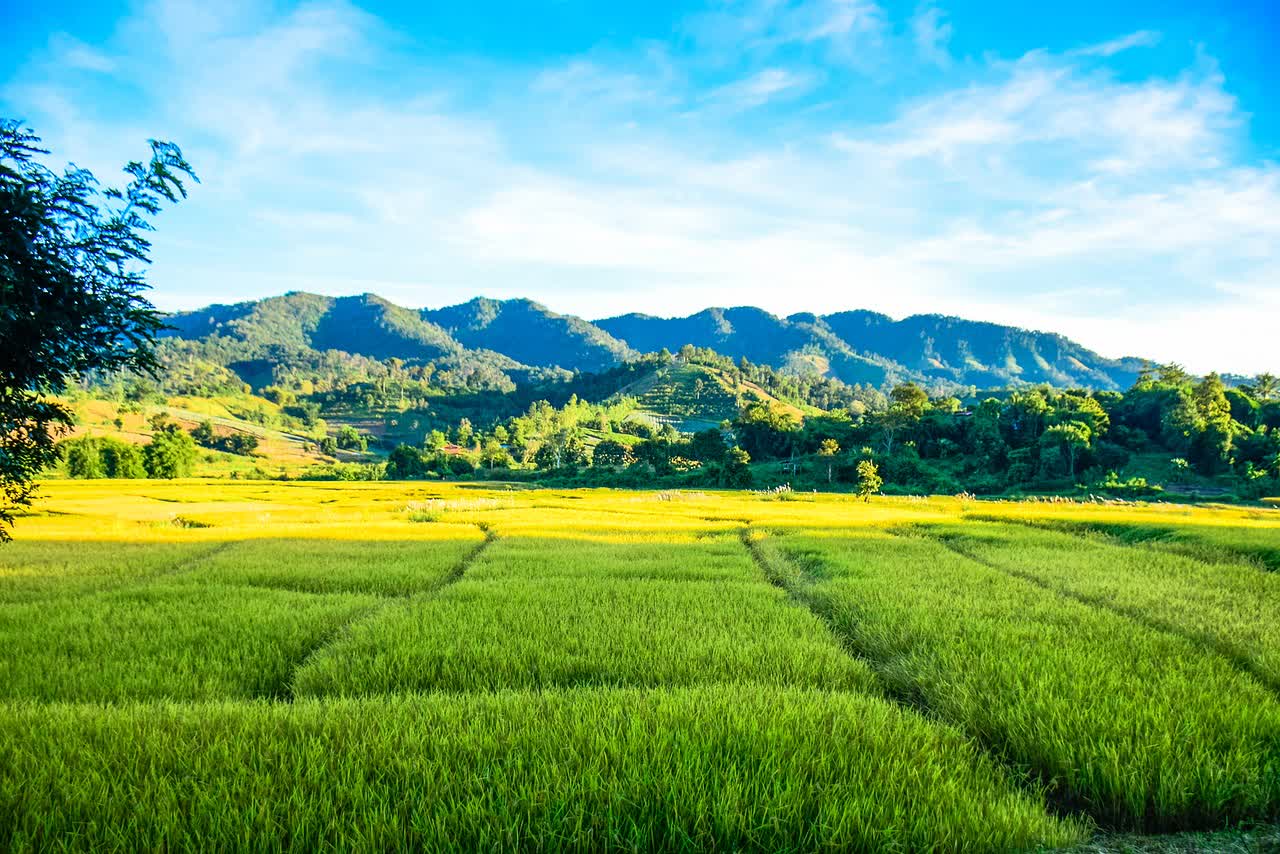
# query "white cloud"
(759, 88)
(847, 31)
(1142, 38)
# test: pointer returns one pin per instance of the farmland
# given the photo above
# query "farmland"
(254, 665)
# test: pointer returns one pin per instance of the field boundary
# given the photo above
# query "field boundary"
(1209, 643)
(452, 577)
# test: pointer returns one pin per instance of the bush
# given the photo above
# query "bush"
(172, 453)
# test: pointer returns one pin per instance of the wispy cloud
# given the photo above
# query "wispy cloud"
(1142, 38)
(762, 86)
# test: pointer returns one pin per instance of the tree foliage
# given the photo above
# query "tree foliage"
(71, 291)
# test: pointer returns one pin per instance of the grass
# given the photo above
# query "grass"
(254, 665)
(165, 641)
(1139, 728)
(32, 570)
(1226, 535)
(723, 768)
(385, 568)
(557, 632)
(1233, 609)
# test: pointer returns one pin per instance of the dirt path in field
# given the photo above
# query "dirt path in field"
(452, 577)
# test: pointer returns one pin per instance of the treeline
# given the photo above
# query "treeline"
(1170, 425)
(1169, 428)
(171, 452)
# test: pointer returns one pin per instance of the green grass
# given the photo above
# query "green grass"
(1140, 728)
(557, 632)
(657, 557)
(396, 568)
(724, 768)
(439, 666)
(38, 570)
(165, 641)
(1210, 542)
(1231, 608)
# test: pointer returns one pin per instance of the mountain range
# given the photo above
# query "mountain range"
(519, 334)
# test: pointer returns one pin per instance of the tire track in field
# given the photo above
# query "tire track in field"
(797, 582)
(793, 580)
(1233, 656)
(287, 688)
(183, 565)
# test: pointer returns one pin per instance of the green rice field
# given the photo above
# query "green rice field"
(259, 666)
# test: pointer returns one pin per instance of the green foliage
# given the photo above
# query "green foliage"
(71, 285)
(869, 480)
(349, 439)
(609, 453)
(93, 457)
(170, 454)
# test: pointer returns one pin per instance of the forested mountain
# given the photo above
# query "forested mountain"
(531, 333)
(866, 347)
(503, 340)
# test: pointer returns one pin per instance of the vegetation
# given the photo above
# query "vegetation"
(1049, 682)
(70, 291)
(428, 665)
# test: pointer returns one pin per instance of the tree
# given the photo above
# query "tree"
(84, 459)
(1070, 438)
(907, 405)
(828, 450)
(1265, 387)
(172, 453)
(1211, 449)
(405, 463)
(203, 434)
(869, 480)
(493, 454)
(122, 460)
(708, 446)
(349, 439)
(71, 284)
(610, 453)
(736, 471)
(240, 443)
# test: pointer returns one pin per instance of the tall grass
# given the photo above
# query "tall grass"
(543, 633)
(724, 768)
(31, 570)
(1231, 608)
(387, 568)
(165, 641)
(668, 556)
(1139, 728)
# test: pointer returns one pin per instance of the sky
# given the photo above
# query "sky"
(1110, 171)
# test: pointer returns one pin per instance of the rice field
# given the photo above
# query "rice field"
(255, 666)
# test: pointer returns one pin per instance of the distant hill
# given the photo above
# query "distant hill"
(871, 348)
(515, 336)
(531, 333)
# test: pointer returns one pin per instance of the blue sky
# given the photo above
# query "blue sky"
(1106, 170)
